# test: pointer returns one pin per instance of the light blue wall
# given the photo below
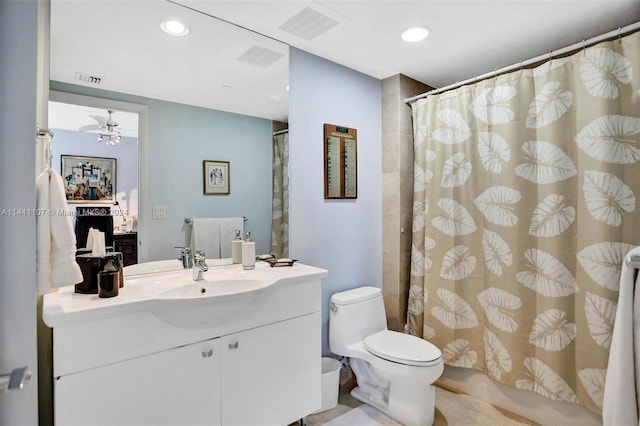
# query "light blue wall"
(180, 138)
(69, 142)
(342, 236)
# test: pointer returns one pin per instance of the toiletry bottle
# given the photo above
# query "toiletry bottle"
(248, 252)
(236, 248)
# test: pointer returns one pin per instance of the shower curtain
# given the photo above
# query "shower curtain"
(525, 190)
(280, 204)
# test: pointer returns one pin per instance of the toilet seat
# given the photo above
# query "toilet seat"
(402, 348)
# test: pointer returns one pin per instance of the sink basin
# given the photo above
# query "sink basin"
(226, 295)
(207, 289)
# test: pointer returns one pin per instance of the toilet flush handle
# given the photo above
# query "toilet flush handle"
(333, 307)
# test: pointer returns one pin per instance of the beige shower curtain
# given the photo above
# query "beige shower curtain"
(280, 204)
(525, 204)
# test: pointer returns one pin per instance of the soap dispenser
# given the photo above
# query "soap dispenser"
(236, 248)
(248, 252)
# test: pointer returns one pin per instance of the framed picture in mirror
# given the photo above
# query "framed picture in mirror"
(216, 177)
(88, 179)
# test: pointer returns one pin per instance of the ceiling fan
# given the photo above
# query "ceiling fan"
(106, 128)
(104, 123)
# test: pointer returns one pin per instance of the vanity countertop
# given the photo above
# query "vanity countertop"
(141, 292)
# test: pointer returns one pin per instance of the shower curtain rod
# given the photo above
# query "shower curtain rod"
(279, 132)
(585, 43)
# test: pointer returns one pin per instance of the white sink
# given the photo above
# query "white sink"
(206, 289)
(227, 294)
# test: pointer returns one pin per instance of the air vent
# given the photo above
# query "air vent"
(260, 56)
(88, 78)
(308, 24)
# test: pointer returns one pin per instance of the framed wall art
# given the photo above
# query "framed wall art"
(340, 162)
(88, 179)
(216, 177)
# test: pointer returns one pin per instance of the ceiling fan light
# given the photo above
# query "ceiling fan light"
(174, 28)
(415, 34)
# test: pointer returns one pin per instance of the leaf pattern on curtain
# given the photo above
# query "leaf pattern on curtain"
(611, 138)
(604, 71)
(548, 105)
(545, 381)
(459, 354)
(497, 254)
(607, 197)
(496, 204)
(280, 200)
(603, 262)
(551, 217)
(500, 307)
(525, 191)
(546, 275)
(493, 106)
(545, 163)
(497, 357)
(494, 151)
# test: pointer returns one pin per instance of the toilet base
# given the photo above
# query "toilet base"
(409, 405)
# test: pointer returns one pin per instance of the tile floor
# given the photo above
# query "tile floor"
(452, 409)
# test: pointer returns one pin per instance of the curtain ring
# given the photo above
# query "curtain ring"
(584, 46)
(620, 35)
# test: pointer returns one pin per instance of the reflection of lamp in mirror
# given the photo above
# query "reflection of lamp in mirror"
(123, 227)
(109, 131)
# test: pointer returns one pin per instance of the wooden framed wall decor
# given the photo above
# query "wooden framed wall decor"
(340, 162)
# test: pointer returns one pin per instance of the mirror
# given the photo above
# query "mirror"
(212, 95)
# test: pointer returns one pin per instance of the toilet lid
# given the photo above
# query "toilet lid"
(402, 348)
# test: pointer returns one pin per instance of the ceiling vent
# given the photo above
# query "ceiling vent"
(88, 78)
(308, 24)
(260, 56)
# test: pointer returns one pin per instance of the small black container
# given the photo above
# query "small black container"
(92, 265)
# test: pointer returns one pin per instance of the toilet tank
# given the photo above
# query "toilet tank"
(353, 315)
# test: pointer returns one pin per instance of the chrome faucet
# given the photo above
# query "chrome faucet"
(185, 257)
(199, 265)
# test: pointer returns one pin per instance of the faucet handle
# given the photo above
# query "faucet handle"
(200, 256)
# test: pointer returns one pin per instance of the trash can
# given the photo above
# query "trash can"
(330, 383)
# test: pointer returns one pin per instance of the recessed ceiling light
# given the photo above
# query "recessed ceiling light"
(415, 34)
(175, 28)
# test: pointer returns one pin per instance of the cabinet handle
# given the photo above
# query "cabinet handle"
(233, 345)
(15, 380)
(207, 354)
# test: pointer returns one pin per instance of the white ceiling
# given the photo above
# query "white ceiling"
(120, 41)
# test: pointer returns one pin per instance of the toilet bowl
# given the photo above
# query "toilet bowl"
(394, 371)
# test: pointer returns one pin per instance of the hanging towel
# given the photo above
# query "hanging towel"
(205, 236)
(621, 398)
(55, 240)
(228, 226)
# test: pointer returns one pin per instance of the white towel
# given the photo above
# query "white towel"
(55, 240)
(228, 226)
(621, 398)
(205, 236)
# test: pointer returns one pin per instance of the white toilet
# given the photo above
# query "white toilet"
(394, 371)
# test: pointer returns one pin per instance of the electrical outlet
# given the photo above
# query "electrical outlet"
(159, 213)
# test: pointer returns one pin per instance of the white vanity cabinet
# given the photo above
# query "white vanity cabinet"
(269, 372)
(179, 386)
(134, 360)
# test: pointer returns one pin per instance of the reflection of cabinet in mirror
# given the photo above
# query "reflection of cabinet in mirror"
(126, 243)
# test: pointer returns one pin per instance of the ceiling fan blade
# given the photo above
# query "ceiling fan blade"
(102, 121)
(89, 127)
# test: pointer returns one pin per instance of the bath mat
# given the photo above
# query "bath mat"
(363, 415)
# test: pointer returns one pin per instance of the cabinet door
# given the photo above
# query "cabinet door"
(271, 375)
(180, 386)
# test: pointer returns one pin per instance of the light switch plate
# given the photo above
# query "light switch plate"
(159, 212)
